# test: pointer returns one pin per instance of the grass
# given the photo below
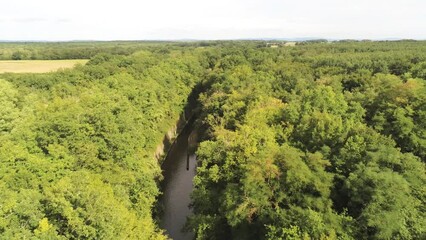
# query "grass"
(37, 66)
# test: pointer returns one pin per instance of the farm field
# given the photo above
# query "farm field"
(37, 66)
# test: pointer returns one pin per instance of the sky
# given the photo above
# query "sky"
(62, 20)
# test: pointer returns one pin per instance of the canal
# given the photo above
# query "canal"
(177, 187)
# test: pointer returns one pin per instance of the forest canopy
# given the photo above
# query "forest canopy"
(321, 140)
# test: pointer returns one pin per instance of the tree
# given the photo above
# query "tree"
(9, 111)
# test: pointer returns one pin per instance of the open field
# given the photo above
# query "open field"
(37, 66)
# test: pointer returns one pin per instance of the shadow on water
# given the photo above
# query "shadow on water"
(178, 171)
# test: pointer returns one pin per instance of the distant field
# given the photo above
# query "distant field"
(37, 66)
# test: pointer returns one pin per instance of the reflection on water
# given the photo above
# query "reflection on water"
(177, 187)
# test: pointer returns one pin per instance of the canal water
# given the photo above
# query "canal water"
(177, 187)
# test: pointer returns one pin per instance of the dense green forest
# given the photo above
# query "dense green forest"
(77, 147)
(314, 141)
(319, 141)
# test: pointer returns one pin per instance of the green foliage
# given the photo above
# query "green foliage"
(323, 141)
(316, 141)
(8, 101)
(77, 147)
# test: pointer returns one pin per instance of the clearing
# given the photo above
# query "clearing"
(37, 66)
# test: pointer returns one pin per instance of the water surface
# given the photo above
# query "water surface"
(177, 187)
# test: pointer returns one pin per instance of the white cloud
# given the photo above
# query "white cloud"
(219, 19)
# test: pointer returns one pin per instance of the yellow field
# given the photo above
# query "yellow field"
(37, 66)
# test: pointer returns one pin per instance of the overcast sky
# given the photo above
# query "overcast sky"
(213, 19)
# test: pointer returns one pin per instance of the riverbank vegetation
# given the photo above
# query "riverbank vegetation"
(77, 146)
(320, 141)
(313, 141)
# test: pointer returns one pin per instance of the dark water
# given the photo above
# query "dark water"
(177, 186)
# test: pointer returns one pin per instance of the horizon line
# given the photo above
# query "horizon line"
(295, 39)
